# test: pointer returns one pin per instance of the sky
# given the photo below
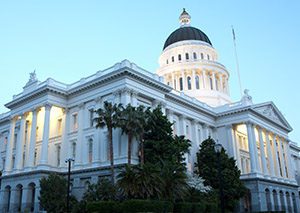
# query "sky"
(67, 40)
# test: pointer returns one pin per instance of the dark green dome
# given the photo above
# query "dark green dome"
(186, 33)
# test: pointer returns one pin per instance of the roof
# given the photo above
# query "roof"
(186, 33)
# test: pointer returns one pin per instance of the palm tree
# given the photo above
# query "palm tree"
(109, 116)
(131, 125)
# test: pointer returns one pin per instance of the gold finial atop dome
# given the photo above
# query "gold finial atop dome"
(184, 18)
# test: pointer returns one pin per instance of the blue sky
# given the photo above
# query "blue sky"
(67, 40)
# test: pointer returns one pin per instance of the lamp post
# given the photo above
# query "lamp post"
(69, 160)
(218, 149)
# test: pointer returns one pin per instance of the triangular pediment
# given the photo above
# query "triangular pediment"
(270, 111)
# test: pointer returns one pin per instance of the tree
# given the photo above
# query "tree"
(53, 193)
(140, 182)
(131, 124)
(109, 116)
(207, 168)
(104, 190)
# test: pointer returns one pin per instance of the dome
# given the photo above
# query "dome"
(186, 33)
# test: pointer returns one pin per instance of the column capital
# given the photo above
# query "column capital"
(65, 110)
(98, 99)
(47, 106)
(81, 105)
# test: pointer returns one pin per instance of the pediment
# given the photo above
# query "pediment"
(270, 111)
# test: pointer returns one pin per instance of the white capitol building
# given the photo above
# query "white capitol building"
(50, 121)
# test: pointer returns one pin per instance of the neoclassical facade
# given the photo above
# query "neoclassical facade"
(50, 121)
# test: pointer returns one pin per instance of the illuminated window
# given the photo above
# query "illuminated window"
(187, 57)
(179, 57)
(189, 83)
(197, 82)
(195, 55)
(180, 84)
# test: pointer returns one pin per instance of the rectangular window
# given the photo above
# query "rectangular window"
(75, 121)
(91, 117)
(90, 154)
(35, 157)
(15, 141)
(13, 162)
(59, 126)
(73, 150)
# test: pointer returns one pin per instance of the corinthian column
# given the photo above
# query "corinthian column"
(44, 152)
(20, 142)
(262, 151)
(30, 158)
(270, 156)
(10, 141)
(252, 147)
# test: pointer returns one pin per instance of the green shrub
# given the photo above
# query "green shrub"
(104, 207)
(187, 207)
(212, 207)
(130, 206)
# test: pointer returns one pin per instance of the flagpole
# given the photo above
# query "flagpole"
(237, 62)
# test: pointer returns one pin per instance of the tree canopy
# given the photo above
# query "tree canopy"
(207, 168)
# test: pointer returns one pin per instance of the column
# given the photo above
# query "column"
(251, 147)
(276, 156)
(214, 81)
(231, 145)
(44, 152)
(20, 143)
(256, 152)
(30, 161)
(237, 145)
(79, 141)
(10, 141)
(193, 80)
(221, 83)
(270, 156)
(204, 77)
(134, 101)
(262, 151)
(125, 97)
(205, 132)
(288, 157)
(64, 154)
(173, 80)
(183, 80)
(282, 160)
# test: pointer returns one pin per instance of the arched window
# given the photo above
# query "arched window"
(275, 200)
(179, 57)
(197, 82)
(90, 150)
(207, 57)
(189, 83)
(31, 196)
(19, 193)
(187, 56)
(180, 84)
(294, 202)
(211, 83)
(7, 198)
(172, 58)
(288, 200)
(195, 55)
(202, 56)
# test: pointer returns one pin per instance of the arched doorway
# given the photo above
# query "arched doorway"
(30, 197)
(268, 199)
(19, 193)
(6, 198)
(282, 203)
(275, 200)
(288, 202)
(247, 201)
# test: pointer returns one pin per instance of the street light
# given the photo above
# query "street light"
(69, 160)
(218, 149)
